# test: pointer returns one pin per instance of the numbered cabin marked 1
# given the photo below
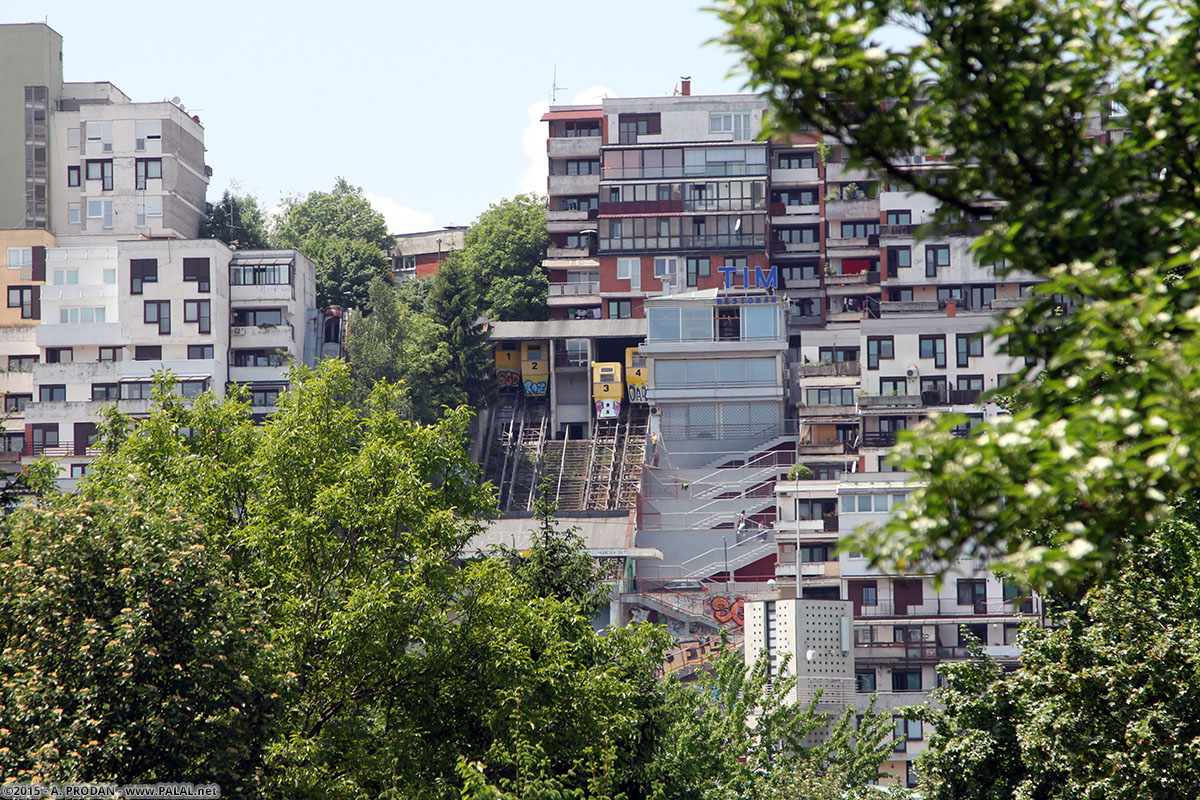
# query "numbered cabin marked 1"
(635, 375)
(607, 389)
(508, 365)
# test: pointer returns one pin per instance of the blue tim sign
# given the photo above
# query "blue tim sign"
(761, 280)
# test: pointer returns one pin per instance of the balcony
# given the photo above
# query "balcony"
(256, 336)
(1006, 303)
(573, 146)
(815, 570)
(879, 439)
(573, 289)
(888, 401)
(864, 278)
(262, 292)
(840, 369)
(858, 208)
(954, 397)
(811, 412)
(52, 334)
(897, 231)
(801, 320)
(948, 607)
(910, 307)
(567, 216)
(852, 242)
(795, 247)
(824, 449)
(574, 184)
(780, 177)
(568, 252)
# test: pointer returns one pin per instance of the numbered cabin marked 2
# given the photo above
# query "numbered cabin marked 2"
(535, 368)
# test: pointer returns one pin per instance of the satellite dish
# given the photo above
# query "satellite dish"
(175, 99)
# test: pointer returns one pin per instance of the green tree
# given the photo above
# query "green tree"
(463, 357)
(128, 652)
(1100, 209)
(237, 220)
(344, 235)
(1103, 705)
(504, 249)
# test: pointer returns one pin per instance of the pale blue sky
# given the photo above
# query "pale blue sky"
(426, 105)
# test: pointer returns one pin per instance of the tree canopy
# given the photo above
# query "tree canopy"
(238, 221)
(1074, 129)
(346, 238)
(503, 252)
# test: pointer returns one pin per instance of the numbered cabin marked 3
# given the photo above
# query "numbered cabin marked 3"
(608, 389)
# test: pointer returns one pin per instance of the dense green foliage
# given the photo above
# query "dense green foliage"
(287, 610)
(1105, 435)
(503, 251)
(238, 221)
(346, 238)
(1104, 707)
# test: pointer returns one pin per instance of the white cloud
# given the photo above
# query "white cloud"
(401, 219)
(533, 138)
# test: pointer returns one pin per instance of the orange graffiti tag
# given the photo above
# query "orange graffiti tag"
(727, 609)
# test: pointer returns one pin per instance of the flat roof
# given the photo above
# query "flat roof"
(602, 536)
(570, 329)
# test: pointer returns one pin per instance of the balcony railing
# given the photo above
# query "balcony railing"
(847, 279)
(795, 247)
(573, 289)
(947, 607)
(890, 401)
(838, 369)
(722, 241)
(942, 397)
(879, 439)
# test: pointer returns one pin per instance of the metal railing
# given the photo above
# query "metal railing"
(573, 289)
(948, 607)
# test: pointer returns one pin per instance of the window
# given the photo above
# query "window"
(101, 209)
(970, 345)
(971, 591)
(760, 322)
(898, 258)
(21, 363)
(899, 217)
(816, 553)
(804, 160)
(110, 277)
(73, 176)
(146, 169)
(262, 317)
(192, 388)
(200, 351)
(737, 123)
(697, 268)
(78, 470)
(864, 682)
(837, 355)
(911, 780)
(626, 267)
(796, 197)
(631, 126)
(147, 352)
(112, 353)
(146, 131)
(142, 271)
(982, 296)
(147, 207)
(101, 133)
(970, 383)
(796, 235)
(101, 170)
(20, 257)
(619, 309)
(23, 297)
(895, 386)
(74, 213)
(197, 311)
(16, 403)
(141, 390)
(1010, 633)
(59, 355)
(870, 595)
(259, 358)
(259, 274)
(906, 681)
(81, 316)
(879, 348)
(947, 293)
(72, 138)
(104, 392)
(52, 394)
(44, 436)
(158, 312)
(66, 277)
(936, 255)
(934, 346)
(859, 229)
(664, 268)
(830, 397)
(264, 397)
(909, 729)
(583, 167)
(904, 294)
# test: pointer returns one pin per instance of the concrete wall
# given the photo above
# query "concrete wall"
(30, 55)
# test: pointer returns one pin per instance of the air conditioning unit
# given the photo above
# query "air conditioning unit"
(239, 330)
(912, 372)
(655, 411)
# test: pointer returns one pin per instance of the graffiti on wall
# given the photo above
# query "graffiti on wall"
(611, 568)
(637, 392)
(508, 378)
(608, 409)
(691, 653)
(727, 609)
(535, 388)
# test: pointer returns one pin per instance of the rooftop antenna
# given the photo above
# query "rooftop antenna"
(554, 87)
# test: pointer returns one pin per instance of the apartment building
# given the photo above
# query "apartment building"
(109, 317)
(420, 254)
(796, 311)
